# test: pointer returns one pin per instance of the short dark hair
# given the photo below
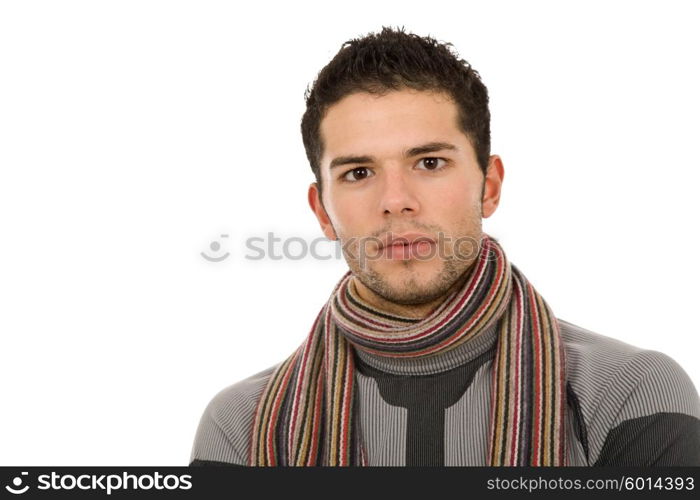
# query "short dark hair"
(393, 60)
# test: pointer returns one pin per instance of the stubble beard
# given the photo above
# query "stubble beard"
(409, 290)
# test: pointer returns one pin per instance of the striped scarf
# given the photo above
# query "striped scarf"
(307, 414)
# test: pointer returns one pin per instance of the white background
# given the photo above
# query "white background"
(134, 133)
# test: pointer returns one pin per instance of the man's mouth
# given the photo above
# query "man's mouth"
(403, 251)
(390, 239)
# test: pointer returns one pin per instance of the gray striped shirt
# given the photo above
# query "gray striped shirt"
(626, 406)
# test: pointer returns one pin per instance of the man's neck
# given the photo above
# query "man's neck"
(417, 311)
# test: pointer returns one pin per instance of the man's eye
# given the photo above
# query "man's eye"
(360, 173)
(432, 163)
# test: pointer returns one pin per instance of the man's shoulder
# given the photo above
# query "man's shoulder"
(243, 392)
(223, 433)
(593, 359)
(623, 391)
(591, 353)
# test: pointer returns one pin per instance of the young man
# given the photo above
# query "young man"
(433, 349)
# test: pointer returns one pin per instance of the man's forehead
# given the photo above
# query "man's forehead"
(390, 124)
(363, 107)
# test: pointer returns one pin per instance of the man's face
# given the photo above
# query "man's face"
(397, 164)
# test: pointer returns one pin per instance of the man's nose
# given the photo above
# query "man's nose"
(398, 195)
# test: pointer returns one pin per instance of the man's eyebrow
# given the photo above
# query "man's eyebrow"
(346, 160)
(430, 147)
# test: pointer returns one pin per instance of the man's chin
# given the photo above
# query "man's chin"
(415, 297)
(399, 278)
(408, 291)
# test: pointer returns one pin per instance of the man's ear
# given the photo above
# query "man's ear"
(320, 212)
(492, 186)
